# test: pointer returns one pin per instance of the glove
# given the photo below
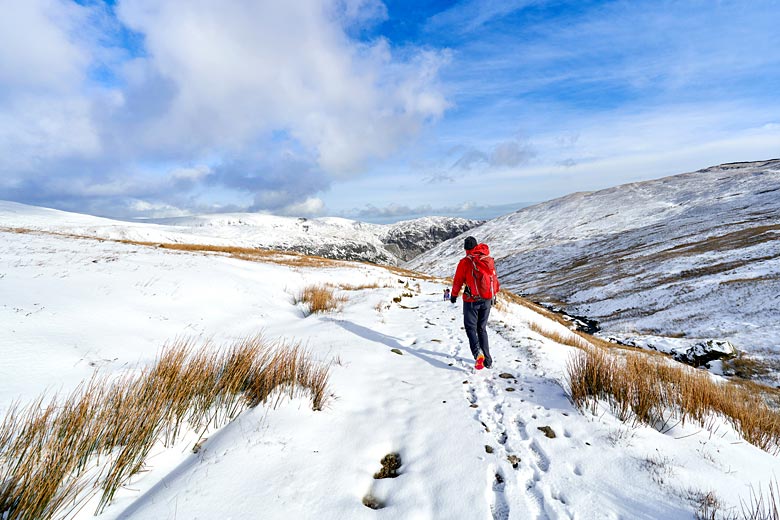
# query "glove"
(453, 299)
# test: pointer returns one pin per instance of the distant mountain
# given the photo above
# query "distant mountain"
(328, 237)
(692, 255)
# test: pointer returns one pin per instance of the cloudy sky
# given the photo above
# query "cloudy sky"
(371, 110)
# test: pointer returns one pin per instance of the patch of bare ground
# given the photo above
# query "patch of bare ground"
(739, 239)
(722, 267)
(738, 281)
(749, 367)
(56, 455)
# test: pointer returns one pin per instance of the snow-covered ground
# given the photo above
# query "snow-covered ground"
(328, 236)
(695, 256)
(69, 307)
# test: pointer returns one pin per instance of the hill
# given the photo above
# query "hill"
(665, 263)
(335, 238)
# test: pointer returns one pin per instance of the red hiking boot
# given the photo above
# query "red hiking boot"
(480, 362)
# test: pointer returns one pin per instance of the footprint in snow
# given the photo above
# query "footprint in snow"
(499, 506)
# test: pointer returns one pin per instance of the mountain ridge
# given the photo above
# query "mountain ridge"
(329, 237)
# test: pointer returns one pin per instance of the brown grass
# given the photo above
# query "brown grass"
(290, 258)
(56, 455)
(652, 391)
(359, 287)
(319, 298)
(645, 386)
(564, 338)
(748, 367)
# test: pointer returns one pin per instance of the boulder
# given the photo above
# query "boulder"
(702, 353)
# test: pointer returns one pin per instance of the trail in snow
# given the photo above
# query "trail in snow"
(510, 409)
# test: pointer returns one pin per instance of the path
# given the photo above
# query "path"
(511, 401)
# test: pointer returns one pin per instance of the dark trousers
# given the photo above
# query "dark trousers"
(475, 318)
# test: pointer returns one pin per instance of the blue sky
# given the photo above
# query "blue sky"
(372, 110)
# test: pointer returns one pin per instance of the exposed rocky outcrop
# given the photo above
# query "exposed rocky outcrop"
(410, 238)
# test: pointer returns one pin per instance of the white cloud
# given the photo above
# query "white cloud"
(471, 15)
(244, 68)
(44, 60)
(503, 154)
(39, 47)
(311, 207)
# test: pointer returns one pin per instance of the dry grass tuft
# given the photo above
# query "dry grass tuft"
(763, 507)
(564, 338)
(319, 298)
(653, 391)
(56, 455)
(360, 287)
(708, 505)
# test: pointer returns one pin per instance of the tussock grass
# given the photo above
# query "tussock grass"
(359, 287)
(55, 455)
(750, 367)
(564, 338)
(654, 391)
(758, 506)
(319, 298)
(763, 507)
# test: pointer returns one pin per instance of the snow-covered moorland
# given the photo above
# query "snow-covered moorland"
(330, 237)
(666, 263)
(471, 444)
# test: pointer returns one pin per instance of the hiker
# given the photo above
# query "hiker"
(476, 271)
(447, 293)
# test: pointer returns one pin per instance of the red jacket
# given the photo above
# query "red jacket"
(464, 275)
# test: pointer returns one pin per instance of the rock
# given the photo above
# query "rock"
(514, 460)
(488, 449)
(548, 432)
(391, 463)
(702, 353)
(407, 239)
(372, 502)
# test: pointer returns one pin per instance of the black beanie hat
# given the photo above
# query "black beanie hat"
(471, 243)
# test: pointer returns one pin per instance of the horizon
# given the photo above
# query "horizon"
(373, 111)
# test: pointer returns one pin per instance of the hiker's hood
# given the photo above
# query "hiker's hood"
(481, 249)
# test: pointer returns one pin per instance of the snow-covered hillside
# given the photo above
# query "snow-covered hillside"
(329, 237)
(693, 256)
(472, 444)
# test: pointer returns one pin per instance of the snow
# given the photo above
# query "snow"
(693, 255)
(72, 306)
(331, 237)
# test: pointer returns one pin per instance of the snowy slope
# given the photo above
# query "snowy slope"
(71, 306)
(329, 237)
(694, 255)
